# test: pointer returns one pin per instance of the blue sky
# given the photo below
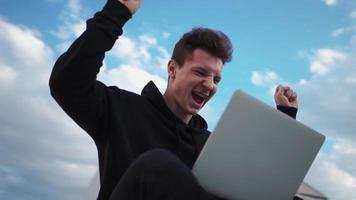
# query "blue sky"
(309, 45)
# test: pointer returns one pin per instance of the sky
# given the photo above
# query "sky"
(309, 45)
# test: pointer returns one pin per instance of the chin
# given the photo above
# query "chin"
(195, 111)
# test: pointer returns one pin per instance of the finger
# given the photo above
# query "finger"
(279, 90)
(293, 97)
(288, 93)
(285, 89)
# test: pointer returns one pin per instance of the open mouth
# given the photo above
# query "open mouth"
(199, 98)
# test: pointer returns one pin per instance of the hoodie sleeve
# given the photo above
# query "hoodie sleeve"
(73, 81)
(290, 111)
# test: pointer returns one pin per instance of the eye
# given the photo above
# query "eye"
(217, 80)
(200, 73)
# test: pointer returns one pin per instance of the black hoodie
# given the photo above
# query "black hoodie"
(122, 124)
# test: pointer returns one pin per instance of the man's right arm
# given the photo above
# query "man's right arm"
(73, 81)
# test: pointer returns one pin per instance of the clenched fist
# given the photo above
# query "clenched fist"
(132, 5)
(285, 96)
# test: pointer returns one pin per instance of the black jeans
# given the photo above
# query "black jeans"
(159, 175)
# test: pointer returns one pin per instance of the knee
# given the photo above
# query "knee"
(158, 158)
(159, 163)
(158, 155)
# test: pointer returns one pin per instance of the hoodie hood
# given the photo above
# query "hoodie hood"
(190, 137)
(197, 123)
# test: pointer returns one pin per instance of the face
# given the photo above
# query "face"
(192, 85)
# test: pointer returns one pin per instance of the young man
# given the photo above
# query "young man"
(148, 143)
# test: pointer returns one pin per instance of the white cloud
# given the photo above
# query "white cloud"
(38, 139)
(7, 75)
(327, 104)
(330, 2)
(328, 172)
(74, 7)
(303, 82)
(338, 32)
(23, 53)
(33, 130)
(353, 15)
(326, 60)
(131, 78)
(150, 40)
(24, 45)
(351, 80)
(348, 29)
(327, 101)
(125, 48)
(128, 50)
(144, 53)
(166, 35)
(93, 187)
(163, 58)
(344, 30)
(331, 175)
(78, 28)
(345, 147)
(73, 25)
(264, 78)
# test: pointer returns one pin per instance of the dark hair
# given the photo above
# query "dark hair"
(212, 41)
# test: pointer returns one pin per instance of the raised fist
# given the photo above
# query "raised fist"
(132, 5)
(285, 96)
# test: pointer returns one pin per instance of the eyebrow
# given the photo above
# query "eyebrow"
(204, 70)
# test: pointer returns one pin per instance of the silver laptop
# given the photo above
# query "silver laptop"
(256, 152)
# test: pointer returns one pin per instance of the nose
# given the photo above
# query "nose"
(209, 83)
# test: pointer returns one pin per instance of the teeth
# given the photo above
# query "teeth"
(201, 95)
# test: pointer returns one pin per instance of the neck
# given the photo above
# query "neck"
(174, 107)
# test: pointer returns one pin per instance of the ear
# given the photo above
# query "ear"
(172, 68)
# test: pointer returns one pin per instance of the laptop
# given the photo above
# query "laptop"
(256, 152)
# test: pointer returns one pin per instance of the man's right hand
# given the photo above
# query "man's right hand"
(132, 5)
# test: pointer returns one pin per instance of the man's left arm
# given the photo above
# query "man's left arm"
(286, 100)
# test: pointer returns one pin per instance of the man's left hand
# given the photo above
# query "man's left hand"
(285, 96)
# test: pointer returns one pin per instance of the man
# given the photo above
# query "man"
(148, 143)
